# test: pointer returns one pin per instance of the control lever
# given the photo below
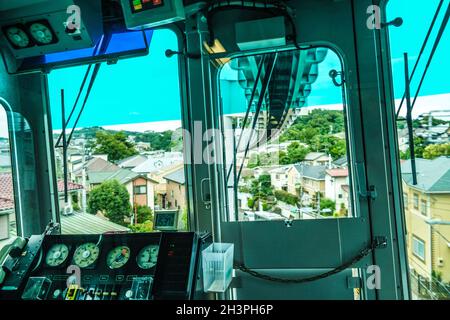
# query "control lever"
(12, 249)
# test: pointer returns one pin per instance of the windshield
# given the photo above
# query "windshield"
(124, 161)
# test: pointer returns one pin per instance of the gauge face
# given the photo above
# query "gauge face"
(41, 33)
(86, 254)
(57, 255)
(148, 257)
(18, 37)
(118, 257)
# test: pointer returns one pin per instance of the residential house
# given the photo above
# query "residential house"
(158, 162)
(334, 180)
(342, 162)
(139, 186)
(95, 164)
(176, 190)
(427, 211)
(307, 181)
(76, 223)
(435, 134)
(161, 187)
(403, 139)
(132, 162)
(317, 159)
(279, 178)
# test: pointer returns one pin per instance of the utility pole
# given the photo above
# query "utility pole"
(83, 178)
(409, 120)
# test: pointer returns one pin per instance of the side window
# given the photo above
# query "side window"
(7, 207)
(17, 173)
(284, 122)
(427, 211)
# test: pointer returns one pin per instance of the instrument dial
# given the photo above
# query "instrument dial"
(41, 33)
(86, 255)
(118, 257)
(148, 257)
(18, 37)
(57, 255)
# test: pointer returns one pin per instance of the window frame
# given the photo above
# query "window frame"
(136, 190)
(424, 207)
(417, 240)
(416, 201)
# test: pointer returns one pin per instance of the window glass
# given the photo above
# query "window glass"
(419, 248)
(427, 211)
(124, 150)
(405, 199)
(423, 207)
(285, 137)
(7, 207)
(416, 201)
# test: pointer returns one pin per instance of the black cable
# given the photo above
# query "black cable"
(433, 22)
(433, 51)
(366, 251)
(91, 84)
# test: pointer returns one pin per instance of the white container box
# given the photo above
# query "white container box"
(217, 261)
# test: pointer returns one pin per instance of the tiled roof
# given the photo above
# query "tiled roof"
(177, 176)
(7, 191)
(122, 175)
(314, 156)
(98, 164)
(83, 223)
(338, 173)
(432, 175)
(312, 172)
(132, 162)
(341, 161)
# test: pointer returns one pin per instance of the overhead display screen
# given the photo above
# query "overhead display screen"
(121, 45)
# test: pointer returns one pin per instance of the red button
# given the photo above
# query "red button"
(157, 2)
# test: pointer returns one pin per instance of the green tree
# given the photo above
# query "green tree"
(115, 145)
(296, 152)
(142, 227)
(419, 147)
(287, 197)
(143, 213)
(436, 150)
(332, 145)
(327, 204)
(261, 187)
(112, 199)
(317, 122)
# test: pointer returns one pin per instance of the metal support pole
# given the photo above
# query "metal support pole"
(409, 120)
(236, 181)
(63, 117)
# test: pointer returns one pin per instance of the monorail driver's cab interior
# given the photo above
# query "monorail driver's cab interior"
(220, 150)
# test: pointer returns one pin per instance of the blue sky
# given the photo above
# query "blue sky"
(407, 38)
(146, 89)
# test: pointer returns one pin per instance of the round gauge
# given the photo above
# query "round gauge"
(57, 255)
(41, 33)
(86, 254)
(18, 37)
(118, 257)
(148, 257)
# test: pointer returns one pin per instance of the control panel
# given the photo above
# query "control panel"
(106, 267)
(142, 14)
